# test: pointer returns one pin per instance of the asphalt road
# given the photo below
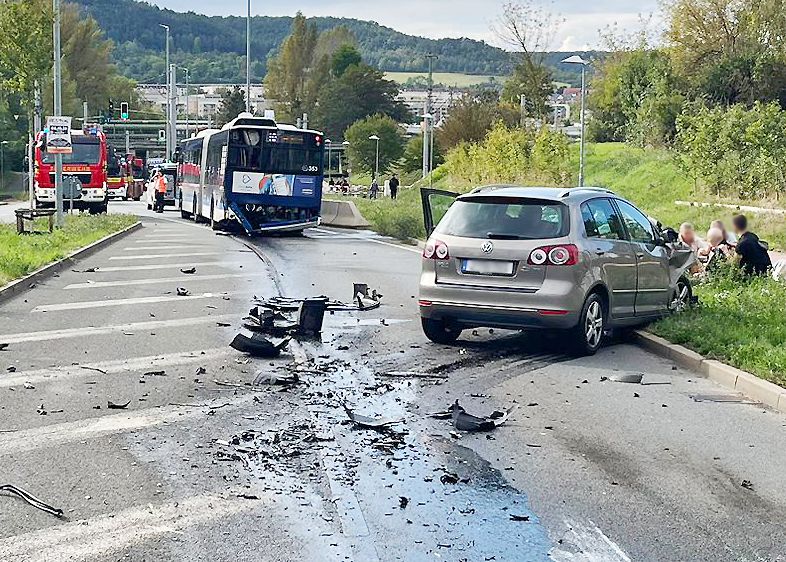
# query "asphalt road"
(198, 470)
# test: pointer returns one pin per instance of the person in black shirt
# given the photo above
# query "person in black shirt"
(753, 256)
(393, 184)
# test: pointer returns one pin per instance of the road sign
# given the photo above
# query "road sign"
(58, 136)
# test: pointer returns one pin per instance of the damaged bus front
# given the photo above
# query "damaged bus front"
(264, 175)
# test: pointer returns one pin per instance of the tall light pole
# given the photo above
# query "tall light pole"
(168, 92)
(248, 58)
(345, 144)
(376, 167)
(58, 110)
(576, 59)
(428, 131)
(2, 165)
(187, 107)
(329, 144)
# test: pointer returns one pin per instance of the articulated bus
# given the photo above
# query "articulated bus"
(265, 175)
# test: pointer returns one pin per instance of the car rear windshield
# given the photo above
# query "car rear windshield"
(505, 218)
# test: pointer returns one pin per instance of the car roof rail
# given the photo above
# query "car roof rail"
(492, 187)
(591, 189)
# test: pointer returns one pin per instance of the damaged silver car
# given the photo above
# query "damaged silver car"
(583, 260)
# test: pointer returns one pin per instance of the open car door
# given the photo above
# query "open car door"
(435, 204)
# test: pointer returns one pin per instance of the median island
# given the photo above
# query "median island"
(22, 254)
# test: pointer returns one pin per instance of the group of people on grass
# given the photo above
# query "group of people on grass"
(341, 185)
(741, 246)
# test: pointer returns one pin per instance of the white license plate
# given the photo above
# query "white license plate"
(487, 267)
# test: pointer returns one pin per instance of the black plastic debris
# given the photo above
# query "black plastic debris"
(3, 346)
(263, 378)
(628, 378)
(464, 421)
(269, 321)
(183, 292)
(367, 422)
(403, 502)
(722, 398)
(747, 484)
(188, 271)
(311, 315)
(449, 478)
(364, 299)
(88, 270)
(515, 517)
(258, 346)
(114, 406)
(31, 499)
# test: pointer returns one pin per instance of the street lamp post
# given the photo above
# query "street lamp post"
(345, 144)
(376, 167)
(58, 111)
(168, 93)
(248, 58)
(187, 108)
(576, 59)
(329, 144)
(2, 165)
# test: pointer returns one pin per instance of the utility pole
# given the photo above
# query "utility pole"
(172, 110)
(84, 114)
(128, 142)
(248, 58)
(168, 93)
(523, 102)
(58, 109)
(583, 102)
(187, 100)
(428, 131)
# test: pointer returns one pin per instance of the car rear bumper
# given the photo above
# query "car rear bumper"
(469, 316)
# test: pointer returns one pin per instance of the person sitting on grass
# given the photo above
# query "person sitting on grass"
(752, 253)
(688, 238)
(729, 237)
(718, 250)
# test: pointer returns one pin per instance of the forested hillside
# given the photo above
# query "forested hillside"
(209, 45)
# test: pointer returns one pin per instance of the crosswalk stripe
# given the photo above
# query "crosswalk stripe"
(158, 247)
(162, 266)
(134, 364)
(127, 302)
(46, 335)
(109, 534)
(177, 255)
(190, 279)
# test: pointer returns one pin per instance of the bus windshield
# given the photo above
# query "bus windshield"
(82, 154)
(275, 152)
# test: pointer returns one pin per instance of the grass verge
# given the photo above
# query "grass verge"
(739, 321)
(23, 254)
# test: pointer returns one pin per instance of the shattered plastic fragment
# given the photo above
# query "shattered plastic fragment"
(258, 346)
(113, 406)
(468, 422)
(31, 499)
(189, 271)
(380, 424)
(183, 292)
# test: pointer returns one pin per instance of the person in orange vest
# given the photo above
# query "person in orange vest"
(160, 186)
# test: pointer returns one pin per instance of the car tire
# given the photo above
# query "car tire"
(587, 336)
(439, 332)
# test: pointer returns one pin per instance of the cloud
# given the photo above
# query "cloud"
(443, 18)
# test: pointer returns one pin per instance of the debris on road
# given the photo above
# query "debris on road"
(632, 378)
(464, 421)
(88, 270)
(115, 406)
(31, 499)
(3, 346)
(183, 292)
(747, 484)
(367, 422)
(364, 299)
(514, 517)
(87, 367)
(188, 271)
(29, 385)
(258, 346)
(403, 501)
(276, 380)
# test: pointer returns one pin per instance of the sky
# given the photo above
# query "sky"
(445, 18)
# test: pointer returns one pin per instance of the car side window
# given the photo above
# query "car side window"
(639, 226)
(601, 220)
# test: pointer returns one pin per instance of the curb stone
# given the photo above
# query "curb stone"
(730, 377)
(23, 284)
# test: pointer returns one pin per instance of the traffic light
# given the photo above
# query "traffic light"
(110, 112)
(124, 110)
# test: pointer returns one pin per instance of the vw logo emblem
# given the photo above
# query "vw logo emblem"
(487, 247)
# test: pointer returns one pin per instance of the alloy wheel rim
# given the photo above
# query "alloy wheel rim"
(593, 324)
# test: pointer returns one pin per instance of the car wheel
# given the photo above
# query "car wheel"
(588, 334)
(439, 332)
(683, 295)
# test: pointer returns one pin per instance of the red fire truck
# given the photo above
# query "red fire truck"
(115, 175)
(84, 172)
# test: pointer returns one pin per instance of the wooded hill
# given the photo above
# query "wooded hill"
(213, 47)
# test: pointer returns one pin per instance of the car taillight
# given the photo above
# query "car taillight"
(563, 254)
(436, 250)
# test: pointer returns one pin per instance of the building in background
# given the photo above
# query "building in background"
(203, 100)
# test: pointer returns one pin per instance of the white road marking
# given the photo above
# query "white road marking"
(127, 302)
(181, 279)
(100, 330)
(99, 536)
(120, 366)
(158, 247)
(374, 240)
(162, 266)
(181, 255)
(589, 543)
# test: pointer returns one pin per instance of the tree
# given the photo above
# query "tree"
(472, 116)
(362, 150)
(529, 29)
(233, 102)
(288, 72)
(360, 91)
(412, 160)
(345, 56)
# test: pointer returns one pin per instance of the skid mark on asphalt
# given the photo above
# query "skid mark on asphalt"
(98, 536)
(181, 278)
(98, 330)
(123, 366)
